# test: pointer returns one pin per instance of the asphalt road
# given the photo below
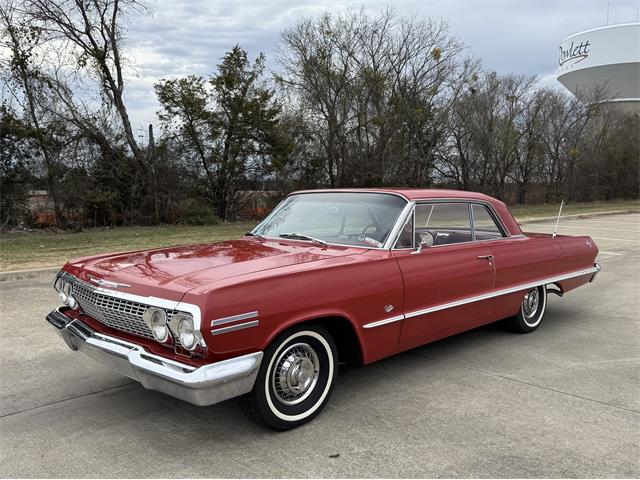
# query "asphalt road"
(561, 402)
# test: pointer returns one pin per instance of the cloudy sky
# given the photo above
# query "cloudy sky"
(182, 37)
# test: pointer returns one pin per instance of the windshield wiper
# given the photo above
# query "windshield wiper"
(299, 236)
(251, 234)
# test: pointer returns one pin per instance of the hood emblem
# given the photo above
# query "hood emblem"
(107, 283)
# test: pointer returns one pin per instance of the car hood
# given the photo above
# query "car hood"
(170, 272)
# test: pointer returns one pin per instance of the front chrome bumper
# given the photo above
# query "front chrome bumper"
(598, 268)
(203, 385)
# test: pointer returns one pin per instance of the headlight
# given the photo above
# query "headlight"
(185, 331)
(156, 320)
(58, 284)
(64, 291)
(72, 302)
(66, 295)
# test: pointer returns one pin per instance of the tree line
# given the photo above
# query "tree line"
(357, 100)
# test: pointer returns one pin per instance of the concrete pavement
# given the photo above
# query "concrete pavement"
(561, 402)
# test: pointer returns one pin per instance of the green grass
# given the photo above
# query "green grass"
(38, 248)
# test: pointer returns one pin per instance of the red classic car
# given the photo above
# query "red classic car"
(328, 276)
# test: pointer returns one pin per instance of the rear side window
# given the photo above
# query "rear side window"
(443, 223)
(484, 225)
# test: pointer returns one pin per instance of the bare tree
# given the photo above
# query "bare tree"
(91, 33)
(25, 81)
(378, 90)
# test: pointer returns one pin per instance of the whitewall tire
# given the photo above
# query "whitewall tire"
(295, 380)
(532, 308)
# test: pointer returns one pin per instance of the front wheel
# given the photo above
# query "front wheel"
(532, 308)
(295, 380)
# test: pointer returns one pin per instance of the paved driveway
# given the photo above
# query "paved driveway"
(562, 402)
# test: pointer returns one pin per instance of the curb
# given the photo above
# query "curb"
(44, 272)
(578, 215)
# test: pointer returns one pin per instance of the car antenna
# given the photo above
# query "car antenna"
(555, 230)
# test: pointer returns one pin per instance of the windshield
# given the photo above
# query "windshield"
(346, 218)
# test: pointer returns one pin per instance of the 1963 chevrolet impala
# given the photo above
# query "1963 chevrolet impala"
(331, 275)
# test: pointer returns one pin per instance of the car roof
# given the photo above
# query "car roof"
(413, 193)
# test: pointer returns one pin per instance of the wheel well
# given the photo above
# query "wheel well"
(343, 333)
(556, 288)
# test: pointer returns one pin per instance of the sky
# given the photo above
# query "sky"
(183, 37)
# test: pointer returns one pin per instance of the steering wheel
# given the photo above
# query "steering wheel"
(371, 225)
(426, 238)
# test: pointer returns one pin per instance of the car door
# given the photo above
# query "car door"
(442, 278)
(518, 260)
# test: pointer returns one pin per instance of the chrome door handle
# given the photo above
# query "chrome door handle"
(485, 257)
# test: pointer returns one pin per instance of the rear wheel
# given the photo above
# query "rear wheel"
(532, 308)
(295, 380)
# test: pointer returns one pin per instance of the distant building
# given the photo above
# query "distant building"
(40, 207)
(606, 57)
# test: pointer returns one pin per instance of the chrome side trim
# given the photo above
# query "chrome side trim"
(233, 328)
(234, 318)
(498, 293)
(485, 296)
(397, 318)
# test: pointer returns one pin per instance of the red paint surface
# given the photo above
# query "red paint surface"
(290, 281)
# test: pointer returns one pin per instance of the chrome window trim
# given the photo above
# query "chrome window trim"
(172, 305)
(486, 296)
(385, 245)
(472, 221)
(503, 230)
(494, 216)
(348, 190)
(394, 235)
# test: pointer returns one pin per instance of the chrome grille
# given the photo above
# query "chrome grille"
(117, 313)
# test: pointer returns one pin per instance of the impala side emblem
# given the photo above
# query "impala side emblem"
(106, 283)
(388, 308)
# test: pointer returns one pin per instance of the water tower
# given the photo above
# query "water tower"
(606, 57)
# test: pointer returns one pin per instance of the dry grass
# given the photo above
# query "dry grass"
(23, 250)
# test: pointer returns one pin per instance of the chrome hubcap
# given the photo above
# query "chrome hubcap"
(295, 373)
(530, 303)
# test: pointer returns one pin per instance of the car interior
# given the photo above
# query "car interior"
(448, 223)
